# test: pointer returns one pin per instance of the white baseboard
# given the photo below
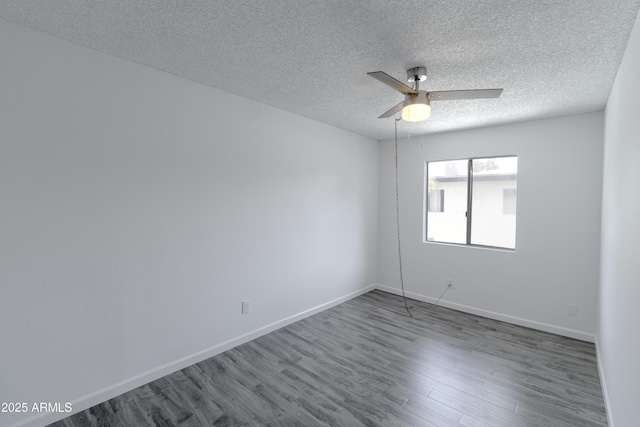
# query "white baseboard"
(603, 385)
(558, 330)
(117, 389)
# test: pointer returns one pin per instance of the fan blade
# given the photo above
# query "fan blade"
(446, 95)
(392, 111)
(393, 83)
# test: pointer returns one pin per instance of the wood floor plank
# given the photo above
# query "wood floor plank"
(482, 410)
(367, 363)
(436, 406)
(430, 415)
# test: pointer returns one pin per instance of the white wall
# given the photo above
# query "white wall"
(558, 225)
(138, 209)
(618, 337)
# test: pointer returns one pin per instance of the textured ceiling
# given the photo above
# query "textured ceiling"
(552, 57)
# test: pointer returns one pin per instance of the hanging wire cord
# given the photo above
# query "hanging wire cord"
(404, 298)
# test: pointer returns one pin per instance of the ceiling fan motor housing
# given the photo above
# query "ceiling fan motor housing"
(421, 98)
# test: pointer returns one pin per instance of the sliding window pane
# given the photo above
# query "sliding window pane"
(447, 201)
(493, 203)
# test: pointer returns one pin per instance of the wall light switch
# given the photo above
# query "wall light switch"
(573, 310)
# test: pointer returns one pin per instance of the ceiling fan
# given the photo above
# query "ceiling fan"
(416, 106)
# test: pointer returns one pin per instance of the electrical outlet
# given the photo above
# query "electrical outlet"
(450, 283)
(573, 309)
(246, 306)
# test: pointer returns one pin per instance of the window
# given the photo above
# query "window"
(481, 201)
(436, 201)
(509, 201)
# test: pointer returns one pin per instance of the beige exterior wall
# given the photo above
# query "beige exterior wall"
(491, 225)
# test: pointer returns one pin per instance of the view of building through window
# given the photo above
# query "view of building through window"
(472, 201)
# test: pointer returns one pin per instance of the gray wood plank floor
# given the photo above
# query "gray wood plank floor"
(367, 363)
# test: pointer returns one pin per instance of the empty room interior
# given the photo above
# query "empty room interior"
(205, 221)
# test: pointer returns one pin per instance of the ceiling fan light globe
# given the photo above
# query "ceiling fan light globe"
(416, 112)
